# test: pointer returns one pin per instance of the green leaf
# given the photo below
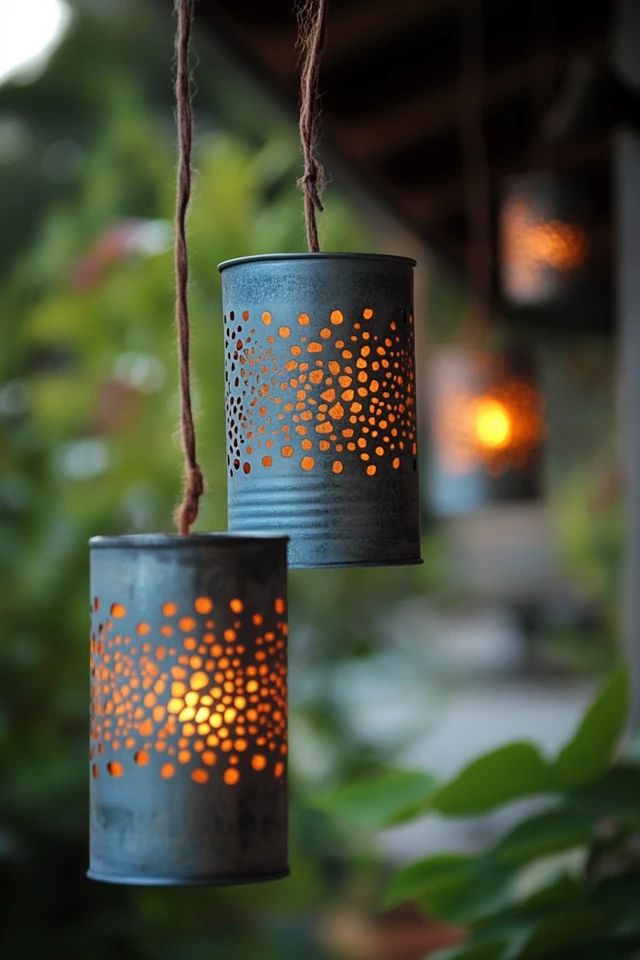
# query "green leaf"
(607, 950)
(380, 801)
(433, 874)
(454, 887)
(508, 773)
(461, 888)
(572, 928)
(553, 831)
(563, 919)
(489, 950)
(518, 922)
(591, 750)
(613, 797)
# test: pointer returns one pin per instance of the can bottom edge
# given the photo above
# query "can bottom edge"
(320, 565)
(133, 881)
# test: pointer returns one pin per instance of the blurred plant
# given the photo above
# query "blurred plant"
(564, 882)
(590, 529)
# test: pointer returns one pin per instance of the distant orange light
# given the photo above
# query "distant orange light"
(538, 249)
(493, 426)
(562, 246)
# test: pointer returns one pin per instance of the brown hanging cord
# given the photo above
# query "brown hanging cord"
(187, 511)
(312, 18)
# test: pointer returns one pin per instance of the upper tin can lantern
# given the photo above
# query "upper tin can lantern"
(321, 405)
(188, 747)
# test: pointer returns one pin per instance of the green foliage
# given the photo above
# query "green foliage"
(505, 774)
(388, 798)
(592, 748)
(512, 772)
(561, 883)
(589, 518)
(455, 886)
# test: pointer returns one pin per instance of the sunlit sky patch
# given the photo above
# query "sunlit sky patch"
(29, 32)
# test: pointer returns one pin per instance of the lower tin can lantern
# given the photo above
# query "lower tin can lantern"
(188, 744)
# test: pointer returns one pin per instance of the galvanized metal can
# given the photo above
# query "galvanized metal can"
(321, 405)
(188, 743)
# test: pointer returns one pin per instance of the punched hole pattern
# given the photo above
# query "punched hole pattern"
(202, 690)
(345, 396)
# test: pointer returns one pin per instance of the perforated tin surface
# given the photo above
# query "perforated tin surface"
(188, 746)
(320, 405)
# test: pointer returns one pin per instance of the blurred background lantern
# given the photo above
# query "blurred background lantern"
(546, 242)
(321, 408)
(487, 426)
(188, 746)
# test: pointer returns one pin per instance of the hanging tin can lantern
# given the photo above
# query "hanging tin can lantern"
(487, 426)
(546, 248)
(188, 745)
(321, 405)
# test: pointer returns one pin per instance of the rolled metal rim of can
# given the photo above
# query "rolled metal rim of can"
(279, 257)
(153, 540)
(213, 881)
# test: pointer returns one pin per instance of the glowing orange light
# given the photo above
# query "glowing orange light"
(493, 429)
(163, 700)
(485, 417)
(539, 248)
(203, 605)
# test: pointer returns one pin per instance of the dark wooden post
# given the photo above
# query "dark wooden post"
(627, 191)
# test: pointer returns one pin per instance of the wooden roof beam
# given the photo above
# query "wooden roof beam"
(398, 129)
